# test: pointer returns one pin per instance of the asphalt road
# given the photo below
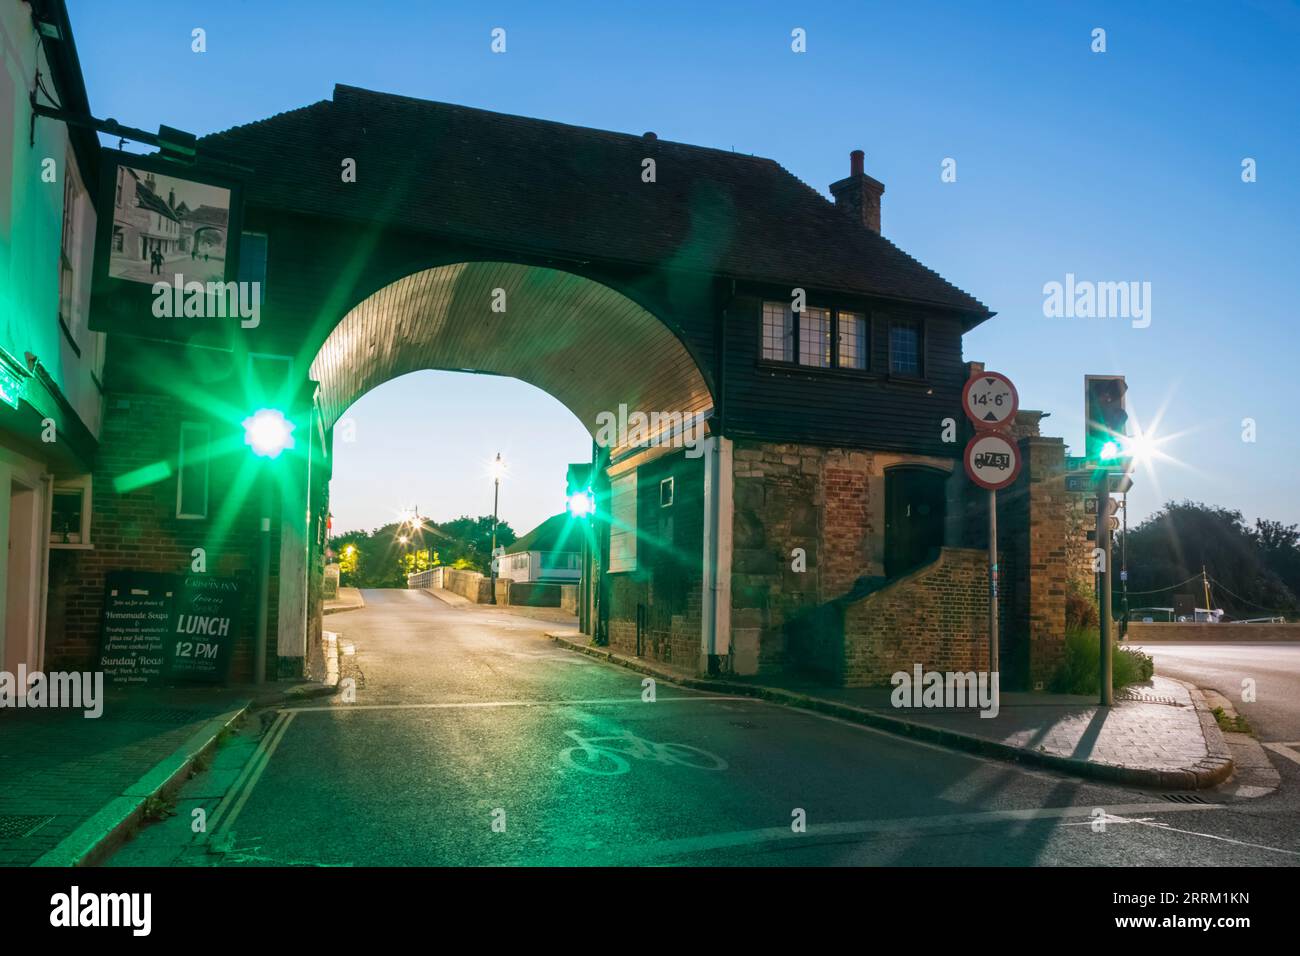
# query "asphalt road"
(1274, 670)
(473, 740)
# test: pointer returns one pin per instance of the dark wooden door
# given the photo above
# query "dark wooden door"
(915, 503)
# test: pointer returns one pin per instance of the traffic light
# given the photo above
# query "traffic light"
(579, 499)
(1106, 421)
(268, 432)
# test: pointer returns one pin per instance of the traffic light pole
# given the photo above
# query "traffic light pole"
(263, 575)
(1107, 696)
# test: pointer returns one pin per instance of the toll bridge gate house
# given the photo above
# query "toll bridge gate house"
(817, 523)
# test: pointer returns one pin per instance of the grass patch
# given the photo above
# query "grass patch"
(158, 807)
(1078, 673)
(1236, 724)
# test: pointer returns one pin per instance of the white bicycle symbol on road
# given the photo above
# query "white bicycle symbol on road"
(606, 755)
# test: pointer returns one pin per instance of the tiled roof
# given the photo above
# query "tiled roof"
(569, 191)
(153, 202)
(556, 533)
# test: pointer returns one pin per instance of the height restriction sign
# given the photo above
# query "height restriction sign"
(992, 460)
(990, 400)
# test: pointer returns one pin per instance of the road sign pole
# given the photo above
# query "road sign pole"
(993, 583)
(1107, 695)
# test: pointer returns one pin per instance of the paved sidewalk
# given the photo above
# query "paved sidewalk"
(349, 599)
(71, 782)
(1158, 735)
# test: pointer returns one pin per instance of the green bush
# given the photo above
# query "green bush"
(1079, 671)
(1080, 609)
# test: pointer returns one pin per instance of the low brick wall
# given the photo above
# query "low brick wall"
(937, 617)
(1159, 632)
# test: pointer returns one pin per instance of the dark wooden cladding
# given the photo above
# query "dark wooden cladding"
(870, 409)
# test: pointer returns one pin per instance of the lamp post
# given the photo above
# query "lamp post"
(498, 468)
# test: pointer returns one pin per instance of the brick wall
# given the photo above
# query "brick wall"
(936, 616)
(139, 530)
(827, 501)
(1036, 548)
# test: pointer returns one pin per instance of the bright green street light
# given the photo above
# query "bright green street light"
(268, 432)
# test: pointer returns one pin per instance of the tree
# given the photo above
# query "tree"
(1173, 545)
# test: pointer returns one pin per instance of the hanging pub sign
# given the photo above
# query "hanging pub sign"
(167, 253)
(169, 628)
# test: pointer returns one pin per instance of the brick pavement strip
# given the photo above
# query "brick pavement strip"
(84, 779)
(1193, 753)
(97, 835)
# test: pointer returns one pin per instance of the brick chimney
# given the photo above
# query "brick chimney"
(859, 194)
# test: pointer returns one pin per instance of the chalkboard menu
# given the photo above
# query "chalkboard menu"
(205, 623)
(170, 628)
(135, 626)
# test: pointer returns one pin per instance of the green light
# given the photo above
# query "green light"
(581, 503)
(142, 477)
(1109, 451)
(268, 432)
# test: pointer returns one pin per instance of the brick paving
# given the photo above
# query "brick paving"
(58, 768)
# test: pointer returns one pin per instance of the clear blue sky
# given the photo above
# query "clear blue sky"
(1119, 166)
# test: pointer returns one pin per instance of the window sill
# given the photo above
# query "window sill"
(817, 371)
(61, 546)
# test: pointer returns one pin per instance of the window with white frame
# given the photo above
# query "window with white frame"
(192, 471)
(74, 200)
(70, 513)
(622, 526)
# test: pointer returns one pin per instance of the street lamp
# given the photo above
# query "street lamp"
(497, 470)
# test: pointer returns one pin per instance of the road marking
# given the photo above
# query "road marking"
(823, 831)
(469, 705)
(1211, 836)
(238, 794)
(605, 755)
(1289, 750)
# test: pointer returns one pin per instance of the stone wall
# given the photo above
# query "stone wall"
(827, 502)
(468, 584)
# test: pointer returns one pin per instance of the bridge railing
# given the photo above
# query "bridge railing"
(423, 580)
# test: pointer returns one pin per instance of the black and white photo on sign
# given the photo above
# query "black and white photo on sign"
(164, 226)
